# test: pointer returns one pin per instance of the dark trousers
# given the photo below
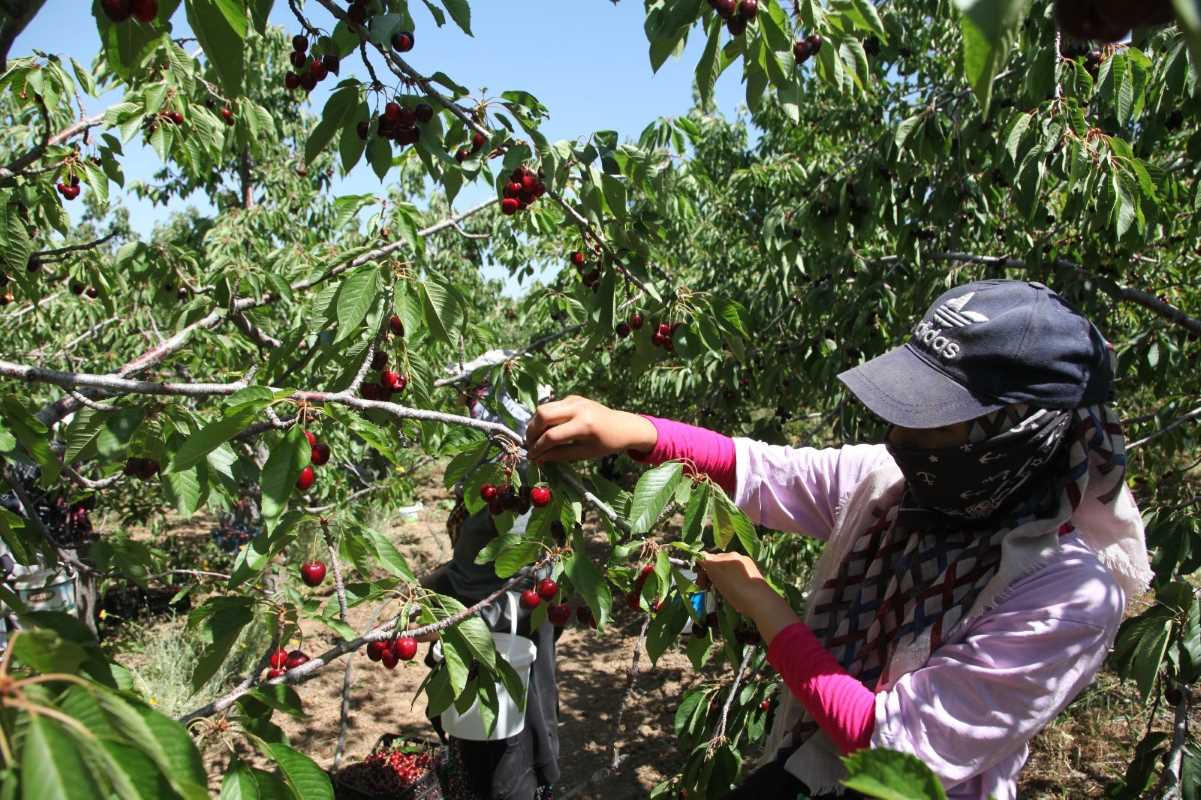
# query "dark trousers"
(777, 783)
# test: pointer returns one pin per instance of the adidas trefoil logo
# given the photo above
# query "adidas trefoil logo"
(951, 314)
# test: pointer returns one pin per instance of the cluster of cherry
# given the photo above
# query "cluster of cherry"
(308, 71)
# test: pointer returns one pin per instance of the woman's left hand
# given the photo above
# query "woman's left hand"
(738, 579)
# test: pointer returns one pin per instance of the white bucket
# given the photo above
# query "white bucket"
(520, 652)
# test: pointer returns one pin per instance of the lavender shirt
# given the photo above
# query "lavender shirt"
(971, 710)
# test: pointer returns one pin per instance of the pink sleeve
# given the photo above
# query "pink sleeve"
(842, 706)
(706, 451)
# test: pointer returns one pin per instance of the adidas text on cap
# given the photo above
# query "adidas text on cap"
(980, 347)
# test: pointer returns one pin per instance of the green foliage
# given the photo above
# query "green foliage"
(924, 145)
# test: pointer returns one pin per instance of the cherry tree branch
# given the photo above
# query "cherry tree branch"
(308, 669)
(18, 165)
(1192, 415)
(113, 383)
(1170, 787)
(56, 253)
(60, 408)
(720, 736)
(615, 756)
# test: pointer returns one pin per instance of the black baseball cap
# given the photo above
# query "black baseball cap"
(983, 346)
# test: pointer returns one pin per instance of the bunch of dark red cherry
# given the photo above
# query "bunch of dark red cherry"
(318, 456)
(505, 498)
(399, 121)
(280, 661)
(559, 614)
(389, 379)
(391, 652)
(308, 70)
(69, 188)
(389, 773)
(1110, 20)
(141, 468)
(521, 190)
(736, 14)
(802, 49)
(591, 278)
(121, 10)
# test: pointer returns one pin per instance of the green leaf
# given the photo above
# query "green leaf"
(1140, 646)
(300, 773)
(52, 765)
(239, 782)
(730, 522)
(988, 27)
(280, 472)
(220, 27)
(340, 110)
(388, 556)
(460, 12)
(211, 436)
(695, 513)
(654, 490)
(889, 775)
(516, 555)
(33, 436)
(356, 295)
(220, 621)
(587, 579)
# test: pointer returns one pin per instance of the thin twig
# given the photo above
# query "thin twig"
(1176, 423)
(719, 737)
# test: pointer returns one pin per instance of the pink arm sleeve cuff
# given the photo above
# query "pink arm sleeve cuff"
(709, 452)
(842, 706)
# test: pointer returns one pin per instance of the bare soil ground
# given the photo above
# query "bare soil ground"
(1088, 746)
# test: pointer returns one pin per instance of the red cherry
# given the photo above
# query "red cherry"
(298, 60)
(319, 454)
(736, 26)
(478, 140)
(530, 600)
(488, 492)
(461, 154)
(317, 69)
(407, 135)
(396, 325)
(529, 182)
(636, 321)
(331, 63)
(376, 649)
(765, 705)
(664, 330)
(278, 658)
(117, 10)
(408, 117)
(371, 391)
(145, 10)
(300, 43)
(312, 572)
(311, 437)
(512, 190)
(577, 259)
(388, 657)
(392, 112)
(634, 601)
(402, 41)
(748, 9)
(548, 589)
(308, 82)
(405, 648)
(295, 659)
(540, 496)
(274, 673)
(390, 380)
(424, 112)
(623, 330)
(559, 615)
(510, 206)
(228, 116)
(306, 478)
(291, 80)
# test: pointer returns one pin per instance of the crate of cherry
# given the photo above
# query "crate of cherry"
(397, 769)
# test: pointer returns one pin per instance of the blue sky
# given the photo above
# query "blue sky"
(586, 60)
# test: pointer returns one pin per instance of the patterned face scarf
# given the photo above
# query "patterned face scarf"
(914, 572)
(1007, 451)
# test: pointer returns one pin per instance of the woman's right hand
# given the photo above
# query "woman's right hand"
(576, 428)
